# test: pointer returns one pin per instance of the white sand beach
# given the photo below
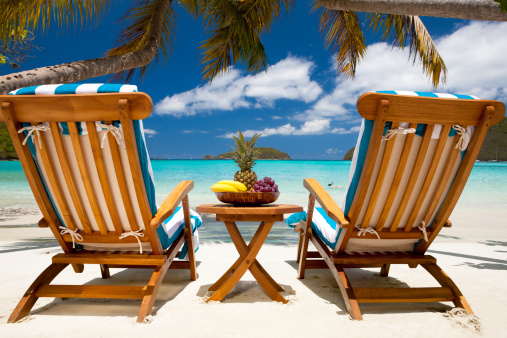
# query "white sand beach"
(476, 260)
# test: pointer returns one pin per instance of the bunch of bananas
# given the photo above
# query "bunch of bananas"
(228, 186)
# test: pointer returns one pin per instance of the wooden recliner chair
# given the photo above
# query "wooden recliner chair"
(84, 155)
(412, 160)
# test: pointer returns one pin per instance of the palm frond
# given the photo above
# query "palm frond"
(344, 36)
(18, 16)
(136, 34)
(236, 28)
(403, 30)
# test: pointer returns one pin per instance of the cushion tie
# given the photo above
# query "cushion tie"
(73, 233)
(363, 231)
(32, 129)
(115, 131)
(135, 234)
(464, 139)
(392, 132)
(423, 229)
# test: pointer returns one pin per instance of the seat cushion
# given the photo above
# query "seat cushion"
(322, 225)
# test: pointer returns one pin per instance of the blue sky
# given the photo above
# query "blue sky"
(301, 105)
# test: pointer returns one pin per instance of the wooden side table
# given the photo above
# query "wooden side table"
(267, 215)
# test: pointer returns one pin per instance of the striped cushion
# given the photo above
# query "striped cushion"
(358, 161)
(169, 231)
(322, 225)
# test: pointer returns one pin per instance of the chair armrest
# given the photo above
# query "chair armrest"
(326, 202)
(171, 202)
(448, 224)
(43, 223)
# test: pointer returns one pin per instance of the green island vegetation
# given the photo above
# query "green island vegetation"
(494, 147)
(7, 151)
(265, 153)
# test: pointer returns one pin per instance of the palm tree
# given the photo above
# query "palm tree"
(235, 28)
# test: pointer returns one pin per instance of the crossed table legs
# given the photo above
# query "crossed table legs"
(247, 261)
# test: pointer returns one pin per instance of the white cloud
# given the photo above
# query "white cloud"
(332, 151)
(287, 79)
(474, 55)
(314, 127)
(274, 117)
(150, 132)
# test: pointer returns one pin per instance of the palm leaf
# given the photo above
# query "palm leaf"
(235, 29)
(344, 36)
(136, 34)
(409, 30)
(18, 16)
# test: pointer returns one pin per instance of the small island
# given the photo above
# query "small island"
(265, 153)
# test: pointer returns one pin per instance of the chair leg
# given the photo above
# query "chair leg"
(28, 301)
(384, 271)
(104, 270)
(304, 250)
(446, 281)
(151, 292)
(300, 243)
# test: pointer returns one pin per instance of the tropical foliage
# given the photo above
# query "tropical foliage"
(234, 29)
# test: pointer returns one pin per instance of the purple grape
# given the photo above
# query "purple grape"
(256, 186)
(275, 186)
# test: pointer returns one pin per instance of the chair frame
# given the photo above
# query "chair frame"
(398, 108)
(88, 108)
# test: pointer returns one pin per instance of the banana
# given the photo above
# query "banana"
(238, 185)
(219, 187)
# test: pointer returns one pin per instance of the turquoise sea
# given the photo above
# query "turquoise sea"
(486, 188)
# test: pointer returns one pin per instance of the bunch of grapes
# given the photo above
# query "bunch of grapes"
(265, 185)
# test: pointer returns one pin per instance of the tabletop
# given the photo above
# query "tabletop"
(265, 209)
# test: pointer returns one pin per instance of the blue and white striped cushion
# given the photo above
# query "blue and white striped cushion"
(324, 227)
(175, 224)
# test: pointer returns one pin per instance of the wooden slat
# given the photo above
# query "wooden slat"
(407, 146)
(76, 107)
(417, 109)
(398, 234)
(92, 291)
(53, 181)
(110, 259)
(384, 259)
(64, 162)
(171, 202)
(414, 175)
(92, 198)
(386, 157)
(371, 157)
(104, 182)
(321, 264)
(122, 183)
(442, 183)
(444, 134)
(403, 295)
(461, 177)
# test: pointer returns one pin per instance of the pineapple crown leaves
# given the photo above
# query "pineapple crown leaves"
(244, 153)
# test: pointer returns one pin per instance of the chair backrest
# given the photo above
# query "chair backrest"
(86, 162)
(405, 187)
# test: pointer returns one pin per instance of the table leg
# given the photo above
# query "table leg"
(247, 261)
(243, 249)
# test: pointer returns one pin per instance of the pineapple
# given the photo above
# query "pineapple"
(245, 156)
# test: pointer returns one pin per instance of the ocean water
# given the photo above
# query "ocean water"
(486, 188)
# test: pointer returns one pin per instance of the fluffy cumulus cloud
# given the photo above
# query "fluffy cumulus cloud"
(474, 55)
(150, 132)
(287, 79)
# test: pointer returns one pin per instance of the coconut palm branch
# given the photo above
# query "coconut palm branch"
(403, 30)
(343, 35)
(236, 28)
(136, 34)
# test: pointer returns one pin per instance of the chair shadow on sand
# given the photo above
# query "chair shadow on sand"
(32, 244)
(324, 285)
(173, 284)
(245, 291)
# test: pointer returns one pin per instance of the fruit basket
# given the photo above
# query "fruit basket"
(247, 198)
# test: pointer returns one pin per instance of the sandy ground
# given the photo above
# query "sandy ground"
(476, 260)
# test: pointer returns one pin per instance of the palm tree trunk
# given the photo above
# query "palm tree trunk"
(487, 10)
(86, 69)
